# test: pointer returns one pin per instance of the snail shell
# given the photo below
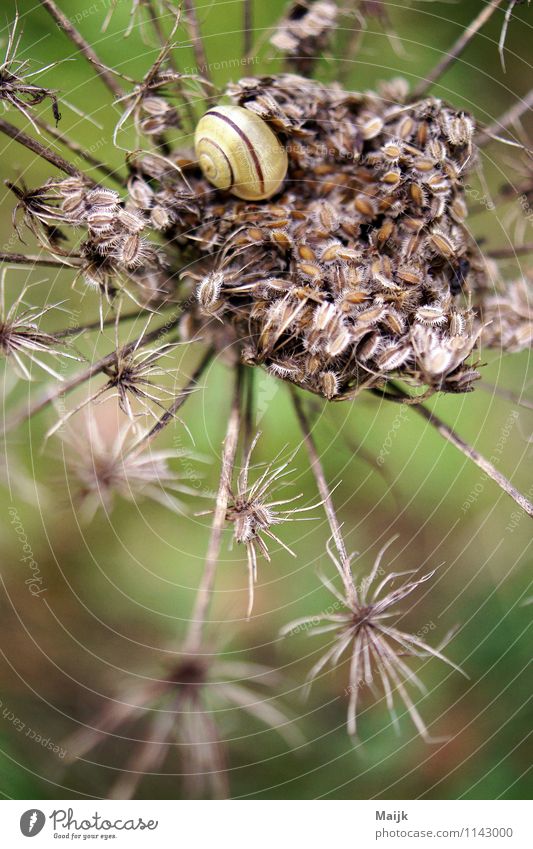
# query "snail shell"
(238, 151)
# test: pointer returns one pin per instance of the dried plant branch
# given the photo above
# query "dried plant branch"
(99, 325)
(32, 259)
(78, 150)
(509, 117)
(197, 39)
(509, 253)
(324, 490)
(44, 152)
(450, 436)
(179, 401)
(83, 46)
(452, 55)
(156, 26)
(247, 26)
(201, 605)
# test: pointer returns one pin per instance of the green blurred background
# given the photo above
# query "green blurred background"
(119, 591)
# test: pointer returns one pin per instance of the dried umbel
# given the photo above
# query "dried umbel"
(176, 710)
(306, 29)
(364, 248)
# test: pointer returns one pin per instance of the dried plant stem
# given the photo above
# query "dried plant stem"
(32, 259)
(485, 465)
(98, 324)
(83, 46)
(203, 597)
(247, 26)
(323, 488)
(79, 151)
(249, 411)
(42, 151)
(509, 253)
(514, 397)
(178, 402)
(452, 55)
(51, 395)
(196, 38)
(157, 28)
(506, 120)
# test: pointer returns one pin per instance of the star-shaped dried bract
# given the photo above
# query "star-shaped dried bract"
(20, 336)
(137, 378)
(178, 710)
(253, 511)
(362, 623)
(16, 90)
(103, 470)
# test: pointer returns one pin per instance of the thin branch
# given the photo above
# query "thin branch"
(247, 26)
(83, 46)
(506, 394)
(47, 398)
(509, 117)
(196, 38)
(510, 252)
(79, 151)
(178, 402)
(31, 259)
(42, 151)
(98, 324)
(323, 488)
(485, 465)
(156, 26)
(451, 55)
(203, 597)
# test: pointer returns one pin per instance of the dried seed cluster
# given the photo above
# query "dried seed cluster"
(508, 318)
(361, 269)
(305, 31)
(358, 270)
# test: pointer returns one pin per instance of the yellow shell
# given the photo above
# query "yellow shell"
(237, 151)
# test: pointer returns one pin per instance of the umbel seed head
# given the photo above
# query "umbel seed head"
(238, 152)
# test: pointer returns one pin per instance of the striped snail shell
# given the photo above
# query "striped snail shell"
(237, 151)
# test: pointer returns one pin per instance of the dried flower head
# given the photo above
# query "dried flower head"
(253, 513)
(508, 317)
(377, 648)
(20, 336)
(178, 711)
(16, 90)
(104, 470)
(305, 31)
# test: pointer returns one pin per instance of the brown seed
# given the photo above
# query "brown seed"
(442, 243)
(306, 252)
(365, 206)
(309, 269)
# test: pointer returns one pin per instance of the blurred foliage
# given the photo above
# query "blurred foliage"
(119, 592)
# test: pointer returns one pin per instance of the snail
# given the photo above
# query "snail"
(238, 151)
